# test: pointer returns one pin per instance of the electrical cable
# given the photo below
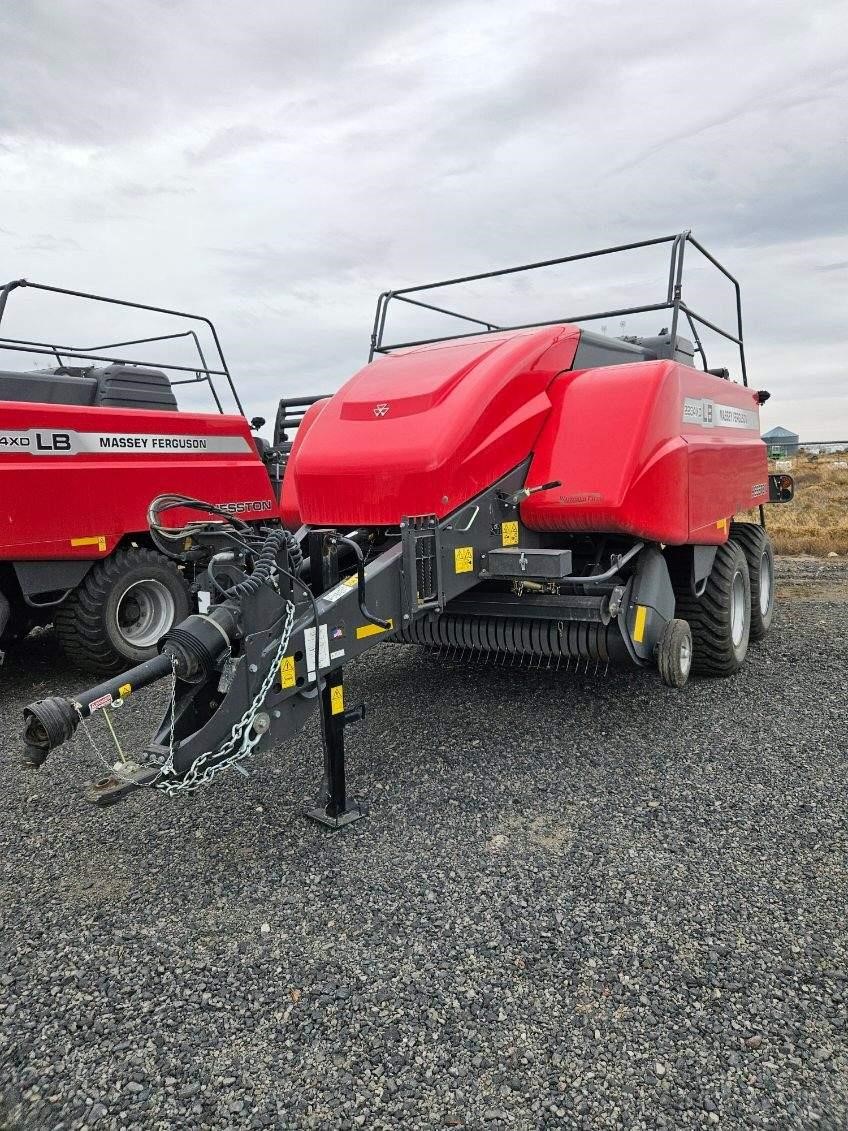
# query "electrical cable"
(264, 565)
(161, 535)
(170, 502)
(265, 550)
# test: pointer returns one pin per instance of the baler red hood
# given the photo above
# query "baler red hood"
(423, 430)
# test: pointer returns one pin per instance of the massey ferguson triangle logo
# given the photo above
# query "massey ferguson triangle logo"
(380, 409)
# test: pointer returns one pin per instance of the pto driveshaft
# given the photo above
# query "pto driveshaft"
(191, 651)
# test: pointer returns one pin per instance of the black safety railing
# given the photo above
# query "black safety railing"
(673, 301)
(290, 414)
(202, 373)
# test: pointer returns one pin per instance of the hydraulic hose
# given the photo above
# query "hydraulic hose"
(263, 566)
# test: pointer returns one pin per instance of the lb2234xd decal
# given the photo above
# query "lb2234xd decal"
(709, 414)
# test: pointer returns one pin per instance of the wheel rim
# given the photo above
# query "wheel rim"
(766, 582)
(685, 656)
(737, 609)
(145, 612)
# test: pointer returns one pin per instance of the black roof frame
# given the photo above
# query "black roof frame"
(202, 372)
(673, 300)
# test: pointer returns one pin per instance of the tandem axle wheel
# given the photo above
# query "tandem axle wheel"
(674, 653)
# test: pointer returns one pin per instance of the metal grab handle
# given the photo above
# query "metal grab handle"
(360, 580)
(526, 492)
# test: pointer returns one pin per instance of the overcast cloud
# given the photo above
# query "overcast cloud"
(275, 166)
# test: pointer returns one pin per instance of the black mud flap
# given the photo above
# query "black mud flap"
(648, 605)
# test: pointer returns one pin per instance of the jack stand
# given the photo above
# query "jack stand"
(334, 809)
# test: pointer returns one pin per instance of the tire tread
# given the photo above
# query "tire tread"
(709, 616)
(78, 622)
(751, 538)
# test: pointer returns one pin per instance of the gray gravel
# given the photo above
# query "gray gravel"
(579, 902)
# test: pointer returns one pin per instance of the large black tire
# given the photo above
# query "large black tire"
(759, 552)
(123, 606)
(720, 619)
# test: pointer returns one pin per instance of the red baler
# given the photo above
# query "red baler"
(537, 494)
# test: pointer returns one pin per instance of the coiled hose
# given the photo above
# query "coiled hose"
(295, 553)
(265, 562)
(240, 532)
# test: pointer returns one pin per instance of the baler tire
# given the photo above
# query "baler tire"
(674, 653)
(757, 548)
(88, 625)
(711, 616)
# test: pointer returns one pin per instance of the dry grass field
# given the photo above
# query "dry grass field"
(816, 521)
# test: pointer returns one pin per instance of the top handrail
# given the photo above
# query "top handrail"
(674, 299)
(23, 346)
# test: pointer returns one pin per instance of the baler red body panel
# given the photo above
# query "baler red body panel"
(422, 430)
(651, 449)
(289, 503)
(56, 503)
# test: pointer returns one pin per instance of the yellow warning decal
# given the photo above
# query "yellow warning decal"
(463, 559)
(721, 524)
(639, 623)
(124, 690)
(509, 533)
(287, 676)
(98, 540)
(350, 582)
(336, 700)
(364, 630)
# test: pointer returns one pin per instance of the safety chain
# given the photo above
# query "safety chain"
(199, 773)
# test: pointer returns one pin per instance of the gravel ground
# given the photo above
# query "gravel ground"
(578, 902)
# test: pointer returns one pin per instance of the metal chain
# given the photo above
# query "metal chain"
(193, 778)
(113, 769)
(199, 773)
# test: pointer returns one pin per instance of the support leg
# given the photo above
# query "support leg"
(334, 809)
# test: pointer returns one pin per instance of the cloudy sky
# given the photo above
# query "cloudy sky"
(276, 165)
